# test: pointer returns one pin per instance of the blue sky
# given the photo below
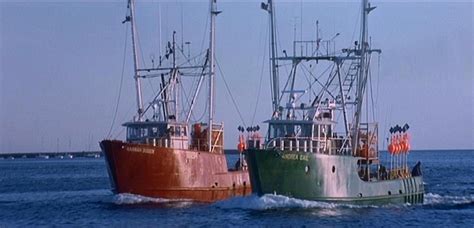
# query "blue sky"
(61, 61)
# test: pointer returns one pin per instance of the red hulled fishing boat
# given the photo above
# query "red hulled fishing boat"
(161, 157)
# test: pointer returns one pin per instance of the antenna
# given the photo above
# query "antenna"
(159, 31)
(294, 35)
(317, 36)
(301, 26)
(182, 27)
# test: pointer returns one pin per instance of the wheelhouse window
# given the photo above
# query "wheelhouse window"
(137, 132)
(142, 131)
(324, 130)
(277, 130)
(177, 130)
(154, 132)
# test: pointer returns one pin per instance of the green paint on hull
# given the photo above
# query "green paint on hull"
(325, 177)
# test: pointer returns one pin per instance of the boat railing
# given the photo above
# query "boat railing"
(398, 173)
(199, 139)
(327, 145)
(217, 133)
(173, 142)
(313, 48)
(159, 142)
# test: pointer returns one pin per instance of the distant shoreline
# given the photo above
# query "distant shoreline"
(47, 155)
(99, 153)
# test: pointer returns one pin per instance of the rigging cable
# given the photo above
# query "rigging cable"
(121, 83)
(230, 94)
(372, 94)
(203, 52)
(143, 60)
(260, 82)
(196, 83)
(355, 26)
(185, 98)
(316, 79)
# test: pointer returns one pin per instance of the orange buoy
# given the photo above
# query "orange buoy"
(395, 145)
(391, 148)
(241, 144)
(240, 147)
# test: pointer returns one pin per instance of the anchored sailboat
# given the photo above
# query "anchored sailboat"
(306, 153)
(161, 157)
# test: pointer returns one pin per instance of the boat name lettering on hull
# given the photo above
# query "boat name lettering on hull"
(299, 157)
(140, 150)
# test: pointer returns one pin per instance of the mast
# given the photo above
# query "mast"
(275, 80)
(212, 37)
(174, 75)
(131, 4)
(362, 76)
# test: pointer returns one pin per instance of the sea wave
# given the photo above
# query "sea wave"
(52, 195)
(270, 201)
(436, 199)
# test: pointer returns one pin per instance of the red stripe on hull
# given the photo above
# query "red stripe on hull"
(172, 173)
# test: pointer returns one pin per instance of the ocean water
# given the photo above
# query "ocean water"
(76, 192)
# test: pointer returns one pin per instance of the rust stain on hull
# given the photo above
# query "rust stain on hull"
(172, 173)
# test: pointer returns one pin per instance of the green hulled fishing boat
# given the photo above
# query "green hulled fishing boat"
(327, 148)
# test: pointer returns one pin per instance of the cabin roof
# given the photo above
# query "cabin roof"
(300, 122)
(152, 123)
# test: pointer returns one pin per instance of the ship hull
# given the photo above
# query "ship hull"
(324, 177)
(172, 173)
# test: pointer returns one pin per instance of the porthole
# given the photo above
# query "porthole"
(333, 169)
(400, 191)
(389, 193)
(360, 195)
(306, 169)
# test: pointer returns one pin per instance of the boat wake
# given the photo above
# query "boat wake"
(128, 199)
(436, 199)
(269, 201)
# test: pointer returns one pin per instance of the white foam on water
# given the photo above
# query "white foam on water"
(435, 199)
(270, 201)
(128, 198)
